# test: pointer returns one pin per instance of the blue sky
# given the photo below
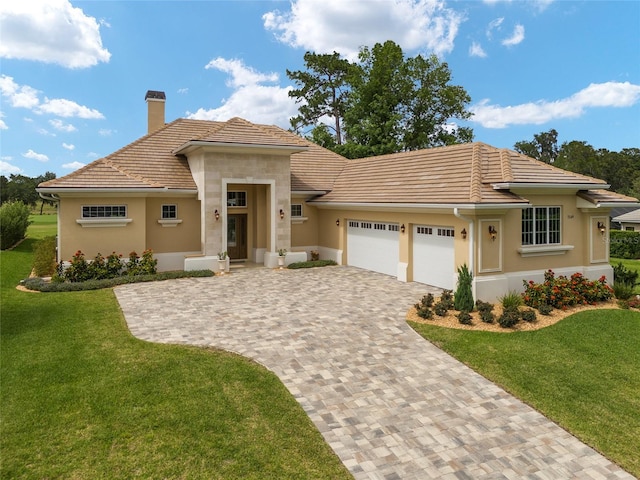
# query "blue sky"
(73, 75)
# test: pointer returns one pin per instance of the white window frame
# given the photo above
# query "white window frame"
(104, 218)
(234, 194)
(296, 214)
(540, 229)
(169, 221)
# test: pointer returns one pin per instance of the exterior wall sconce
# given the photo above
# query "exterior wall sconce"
(493, 233)
(602, 227)
(217, 215)
(281, 214)
(463, 232)
(337, 222)
(402, 228)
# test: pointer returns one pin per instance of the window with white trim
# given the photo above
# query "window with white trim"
(296, 210)
(541, 226)
(104, 211)
(169, 212)
(236, 199)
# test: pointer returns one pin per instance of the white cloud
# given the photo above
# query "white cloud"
(516, 37)
(50, 31)
(73, 165)
(19, 96)
(24, 96)
(105, 132)
(258, 103)
(41, 157)
(494, 25)
(60, 125)
(3, 126)
(182, 91)
(45, 132)
(67, 108)
(476, 50)
(609, 94)
(7, 169)
(68, 146)
(344, 26)
(240, 74)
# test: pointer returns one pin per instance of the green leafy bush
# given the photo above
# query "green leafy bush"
(14, 220)
(464, 317)
(311, 264)
(486, 311)
(622, 274)
(528, 315)
(509, 318)
(441, 308)
(423, 308)
(463, 299)
(44, 257)
(624, 244)
(446, 298)
(622, 291)
(545, 309)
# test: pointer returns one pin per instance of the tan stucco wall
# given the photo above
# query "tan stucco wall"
(305, 233)
(104, 240)
(184, 237)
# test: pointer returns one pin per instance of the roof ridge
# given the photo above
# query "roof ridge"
(505, 165)
(475, 194)
(548, 166)
(121, 170)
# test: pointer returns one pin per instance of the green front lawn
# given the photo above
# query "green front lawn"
(82, 398)
(583, 373)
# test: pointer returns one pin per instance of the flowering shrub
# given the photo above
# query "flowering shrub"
(101, 268)
(563, 292)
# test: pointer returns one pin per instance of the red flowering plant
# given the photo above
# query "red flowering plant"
(563, 292)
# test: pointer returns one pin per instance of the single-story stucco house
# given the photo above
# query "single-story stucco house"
(190, 189)
(629, 221)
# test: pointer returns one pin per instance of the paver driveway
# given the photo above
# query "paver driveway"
(390, 404)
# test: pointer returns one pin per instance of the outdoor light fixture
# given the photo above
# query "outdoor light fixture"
(602, 227)
(281, 214)
(217, 215)
(402, 228)
(337, 222)
(493, 233)
(464, 233)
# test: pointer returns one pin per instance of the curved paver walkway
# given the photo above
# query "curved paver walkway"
(390, 404)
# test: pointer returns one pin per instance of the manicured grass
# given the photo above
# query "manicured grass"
(82, 398)
(583, 373)
(42, 226)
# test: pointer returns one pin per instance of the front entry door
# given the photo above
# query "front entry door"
(237, 236)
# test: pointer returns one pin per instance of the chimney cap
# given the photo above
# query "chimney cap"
(155, 95)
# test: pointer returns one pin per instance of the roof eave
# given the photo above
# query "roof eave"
(547, 186)
(415, 206)
(137, 190)
(191, 145)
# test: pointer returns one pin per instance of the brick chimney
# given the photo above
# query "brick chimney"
(155, 110)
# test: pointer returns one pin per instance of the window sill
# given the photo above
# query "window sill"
(103, 222)
(170, 222)
(540, 250)
(299, 219)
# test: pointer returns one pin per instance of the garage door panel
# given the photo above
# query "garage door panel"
(373, 246)
(433, 255)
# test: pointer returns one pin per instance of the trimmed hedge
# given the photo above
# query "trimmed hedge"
(624, 244)
(311, 264)
(40, 285)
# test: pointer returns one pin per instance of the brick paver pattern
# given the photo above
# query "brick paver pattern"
(390, 404)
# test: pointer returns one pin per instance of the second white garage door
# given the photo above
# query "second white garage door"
(433, 256)
(373, 246)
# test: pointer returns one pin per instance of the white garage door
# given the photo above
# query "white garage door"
(373, 245)
(433, 257)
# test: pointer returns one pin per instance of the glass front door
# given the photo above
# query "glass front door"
(237, 236)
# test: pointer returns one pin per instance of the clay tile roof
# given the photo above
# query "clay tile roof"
(453, 174)
(238, 130)
(606, 196)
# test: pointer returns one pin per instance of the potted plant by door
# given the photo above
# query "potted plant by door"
(281, 254)
(222, 262)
